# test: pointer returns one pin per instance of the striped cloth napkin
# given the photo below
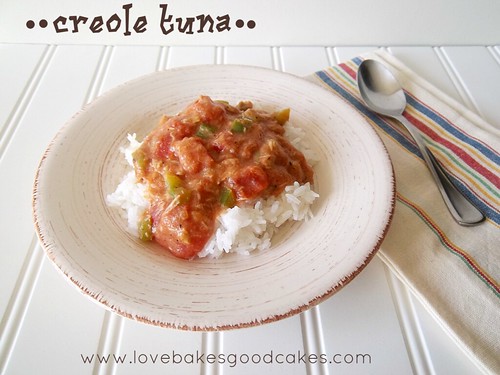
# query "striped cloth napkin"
(453, 270)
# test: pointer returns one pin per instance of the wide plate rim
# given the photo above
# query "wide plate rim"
(38, 217)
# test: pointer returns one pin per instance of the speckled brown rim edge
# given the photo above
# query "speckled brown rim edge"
(315, 301)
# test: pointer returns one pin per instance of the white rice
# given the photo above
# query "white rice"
(241, 229)
(130, 196)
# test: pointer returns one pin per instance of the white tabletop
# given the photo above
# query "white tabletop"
(372, 326)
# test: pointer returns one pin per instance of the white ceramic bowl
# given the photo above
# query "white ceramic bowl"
(89, 243)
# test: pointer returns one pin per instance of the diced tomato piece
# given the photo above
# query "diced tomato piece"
(182, 229)
(162, 146)
(249, 182)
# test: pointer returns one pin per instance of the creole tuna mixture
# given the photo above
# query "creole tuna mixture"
(209, 157)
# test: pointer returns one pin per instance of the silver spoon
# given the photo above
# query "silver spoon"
(383, 94)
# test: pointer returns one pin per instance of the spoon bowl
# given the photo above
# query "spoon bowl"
(380, 90)
(383, 94)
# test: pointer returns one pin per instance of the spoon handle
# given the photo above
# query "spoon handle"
(459, 206)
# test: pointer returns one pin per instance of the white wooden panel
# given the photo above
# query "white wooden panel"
(116, 63)
(14, 316)
(303, 61)
(256, 56)
(430, 347)
(60, 94)
(154, 350)
(426, 62)
(253, 347)
(43, 117)
(346, 53)
(18, 64)
(445, 358)
(479, 72)
(184, 56)
(60, 326)
(129, 63)
(361, 320)
(410, 327)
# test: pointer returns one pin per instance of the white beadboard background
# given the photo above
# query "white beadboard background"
(47, 324)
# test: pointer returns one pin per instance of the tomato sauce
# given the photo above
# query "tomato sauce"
(209, 157)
